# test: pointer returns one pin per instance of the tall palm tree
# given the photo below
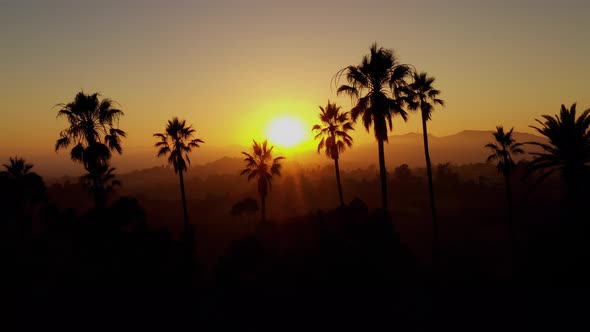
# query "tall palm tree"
(262, 166)
(92, 130)
(568, 150)
(100, 181)
(424, 97)
(504, 147)
(178, 141)
(333, 132)
(377, 87)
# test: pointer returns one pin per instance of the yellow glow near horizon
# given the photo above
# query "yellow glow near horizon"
(286, 131)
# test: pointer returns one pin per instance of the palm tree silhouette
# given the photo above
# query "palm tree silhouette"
(17, 167)
(377, 85)
(20, 191)
(92, 131)
(568, 150)
(178, 141)
(333, 131)
(261, 165)
(100, 181)
(502, 151)
(28, 187)
(425, 97)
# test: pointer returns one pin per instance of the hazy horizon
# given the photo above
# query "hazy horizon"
(459, 148)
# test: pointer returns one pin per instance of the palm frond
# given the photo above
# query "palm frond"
(92, 127)
(335, 124)
(164, 150)
(568, 147)
(349, 90)
(62, 143)
(257, 165)
(253, 174)
(178, 140)
(423, 96)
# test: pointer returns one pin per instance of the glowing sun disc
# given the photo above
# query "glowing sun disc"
(286, 131)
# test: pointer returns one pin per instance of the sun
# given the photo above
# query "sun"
(286, 131)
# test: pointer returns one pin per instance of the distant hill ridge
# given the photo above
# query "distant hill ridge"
(464, 147)
(467, 134)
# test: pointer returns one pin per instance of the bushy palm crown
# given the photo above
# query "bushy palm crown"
(333, 130)
(503, 149)
(260, 164)
(17, 167)
(568, 149)
(92, 129)
(178, 141)
(378, 86)
(20, 182)
(423, 95)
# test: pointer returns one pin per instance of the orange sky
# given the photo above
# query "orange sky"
(229, 67)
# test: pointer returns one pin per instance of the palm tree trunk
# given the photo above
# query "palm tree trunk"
(508, 200)
(572, 179)
(511, 235)
(383, 176)
(99, 195)
(435, 244)
(262, 208)
(341, 196)
(99, 200)
(184, 209)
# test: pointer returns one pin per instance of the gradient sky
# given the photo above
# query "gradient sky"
(229, 67)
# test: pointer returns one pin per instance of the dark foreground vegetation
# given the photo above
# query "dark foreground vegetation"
(346, 267)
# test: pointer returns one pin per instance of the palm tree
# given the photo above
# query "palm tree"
(17, 167)
(377, 86)
(100, 182)
(502, 150)
(20, 191)
(261, 165)
(425, 97)
(568, 150)
(178, 141)
(333, 131)
(23, 185)
(92, 130)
